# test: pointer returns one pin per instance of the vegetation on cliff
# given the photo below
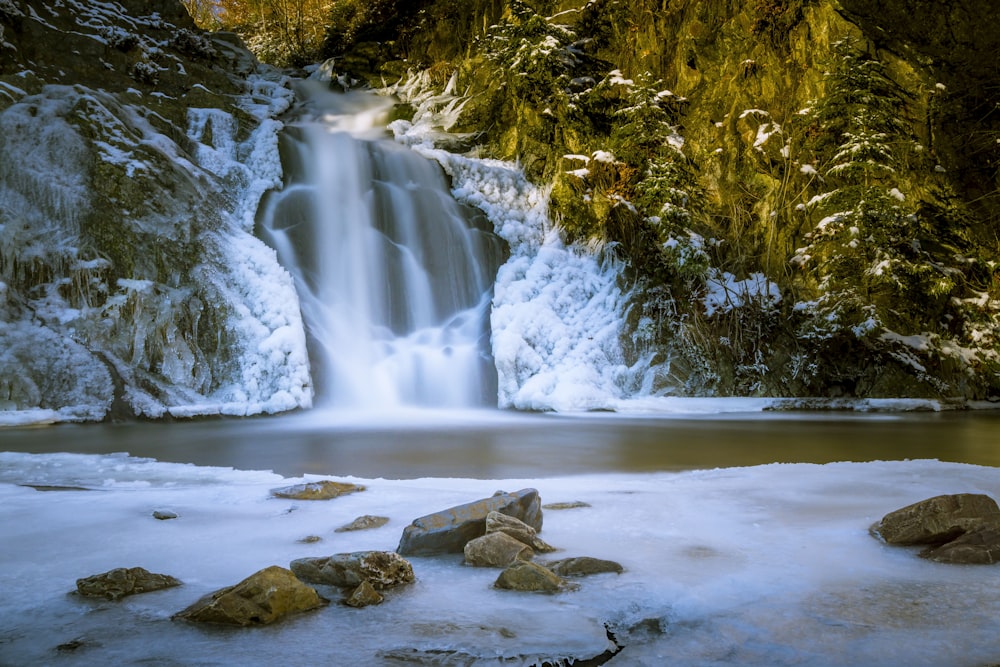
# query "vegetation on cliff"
(787, 182)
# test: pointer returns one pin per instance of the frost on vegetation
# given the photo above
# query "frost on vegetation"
(557, 309)
(724, 292)
(9, 10)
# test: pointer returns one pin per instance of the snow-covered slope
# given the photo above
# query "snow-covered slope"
(130, 279)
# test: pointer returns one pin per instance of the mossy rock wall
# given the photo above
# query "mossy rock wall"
(737, 165)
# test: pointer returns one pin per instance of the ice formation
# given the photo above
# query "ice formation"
(126, 249)
(557, 309)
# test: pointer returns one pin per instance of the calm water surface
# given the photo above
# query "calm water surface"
(499, 445)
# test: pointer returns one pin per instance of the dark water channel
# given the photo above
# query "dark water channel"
(499, 445)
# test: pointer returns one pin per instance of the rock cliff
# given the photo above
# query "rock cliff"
(134, 148)
(804, 193)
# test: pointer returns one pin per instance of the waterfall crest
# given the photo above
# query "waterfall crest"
(394, 276)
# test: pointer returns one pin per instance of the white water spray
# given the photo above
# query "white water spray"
(394, 277)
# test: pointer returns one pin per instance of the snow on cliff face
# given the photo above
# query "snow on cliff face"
(126, 216)
(557, 309)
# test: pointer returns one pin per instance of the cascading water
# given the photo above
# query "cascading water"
(394, 276)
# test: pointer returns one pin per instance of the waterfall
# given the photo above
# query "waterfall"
(394, 276)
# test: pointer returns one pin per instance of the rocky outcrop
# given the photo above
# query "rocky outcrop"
(961, 528)
(722, 130)
(381, 569)
(262, 598)
(134, 148)
(448, 531)
(120, 582)
(323, 490)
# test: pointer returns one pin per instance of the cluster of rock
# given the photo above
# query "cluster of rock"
(500, 531)
(962, 528)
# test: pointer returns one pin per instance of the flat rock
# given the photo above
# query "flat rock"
(583, 566)
(571, 505)
(448, 531)
(119, 582)
(164, 515)
(366, 522)
(496, 550)
(382, 569)
(531, 577)
(519, 530)
(261, 599)
(323, 490)
(980, 546)
(936, 520)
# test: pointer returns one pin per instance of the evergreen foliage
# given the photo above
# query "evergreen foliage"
(865, 245)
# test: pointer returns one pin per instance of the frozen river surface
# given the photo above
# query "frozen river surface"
(729, 558)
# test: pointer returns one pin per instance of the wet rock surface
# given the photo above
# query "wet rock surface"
(381, 569)
(264, 597)
(366, 522)
(496, 550)
(583, 566)
(497, 522)
(960, 528)
(121, 582)
(448, 531)
(937, 520)
(531, 577)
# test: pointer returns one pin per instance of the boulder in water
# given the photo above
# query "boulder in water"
(496, 550)
(448, 531)
(526, 576)
(261, 599)
(583, 566)
(936, 520)
(364, 595)
(979, 546)
(382, 569)
(366, 522)
(119, 582)
(497, 522)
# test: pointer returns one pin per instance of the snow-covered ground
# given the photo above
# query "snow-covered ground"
(767, 565)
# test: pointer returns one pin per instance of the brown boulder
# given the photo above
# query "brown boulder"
(324, 490)
(448, 531)
(366, 522)
(364, 595)
(119, 582)
(262, 598)
(979, 546)
(583, 566)
(531, 577)
(936, 520)
(382, 569)
(519, 530)
(496, 550)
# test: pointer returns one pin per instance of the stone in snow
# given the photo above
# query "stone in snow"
(448, 531)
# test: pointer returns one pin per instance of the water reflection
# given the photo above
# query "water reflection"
(495, 445)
